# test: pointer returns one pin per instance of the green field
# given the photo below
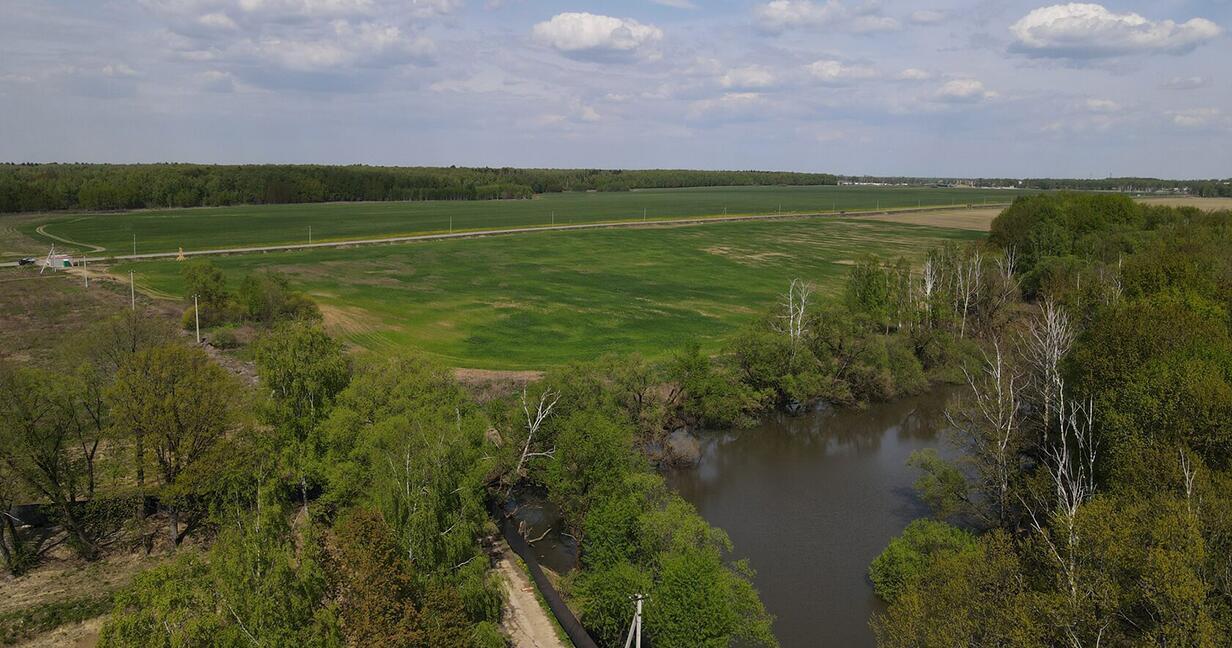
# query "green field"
(212, 228)
(542, 299)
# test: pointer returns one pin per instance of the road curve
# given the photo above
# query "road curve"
(93, 249)
(494, 232)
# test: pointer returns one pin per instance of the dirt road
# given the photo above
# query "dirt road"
(527, 623)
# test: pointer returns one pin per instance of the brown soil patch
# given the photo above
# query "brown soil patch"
(76, 635)
(346, 320)
(490, 384)
(61, 579)
(978, 219)
(1188, 201)
(743, 256)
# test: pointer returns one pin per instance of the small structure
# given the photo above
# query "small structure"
(56, 261)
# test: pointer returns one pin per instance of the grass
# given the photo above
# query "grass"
(212, 228)
(537, 300)
(22, 624)
(38, 313)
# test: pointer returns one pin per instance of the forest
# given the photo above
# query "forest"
(50, 187)
(344, 499)
(1090, 503)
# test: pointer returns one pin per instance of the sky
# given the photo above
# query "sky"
(939, 88)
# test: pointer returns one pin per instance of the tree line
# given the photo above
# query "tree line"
(50, 187)
(1206, 188)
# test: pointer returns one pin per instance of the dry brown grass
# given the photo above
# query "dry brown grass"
(39, 313)
(1189, 201)
(977, 219)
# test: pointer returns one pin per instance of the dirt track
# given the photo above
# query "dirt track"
(525, 620)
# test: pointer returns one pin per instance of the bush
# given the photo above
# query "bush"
(906, 369)
(488, 635)
(908, 555)
(267, 297)
(225, 338)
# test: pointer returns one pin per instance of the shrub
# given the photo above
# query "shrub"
(908, 555)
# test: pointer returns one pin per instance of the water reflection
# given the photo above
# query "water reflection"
(540, 522)
(810, 500)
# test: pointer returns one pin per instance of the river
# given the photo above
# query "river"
(810, 501)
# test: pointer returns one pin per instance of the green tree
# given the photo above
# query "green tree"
(592, 457)
(907, 557)
(303, 369)
(179, 400)
(260, 584)
(208, 284)
(37, 445)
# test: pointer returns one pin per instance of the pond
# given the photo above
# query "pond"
(810, 501)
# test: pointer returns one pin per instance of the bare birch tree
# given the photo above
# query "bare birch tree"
(795, 307)
(929, 284)
(989, 426)
(1048, 338)
(968, 278)
(547, 401)
(1070, 464)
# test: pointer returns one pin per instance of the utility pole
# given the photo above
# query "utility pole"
(451, 223)
(132, 290)
(197, 317)
(134, 245)
(309, 235)
(643, 213)
(85, 272)
(635, 629)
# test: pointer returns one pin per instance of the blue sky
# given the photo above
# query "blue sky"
(946, 87)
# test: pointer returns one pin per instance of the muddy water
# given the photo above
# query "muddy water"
(810, 501)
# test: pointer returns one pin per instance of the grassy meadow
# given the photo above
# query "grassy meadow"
(212, 228)
(536, 300)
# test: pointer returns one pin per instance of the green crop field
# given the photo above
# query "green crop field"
(212, 228)
(541, 299)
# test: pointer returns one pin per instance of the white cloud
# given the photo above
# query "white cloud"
(217, 81)
(749, 76)
(1084, 31)
(1101, 106)
(217, 20)
(926, 17)
(1186, 83)
(118, 70)
(781, 15)
(1200, 118)
(836, 72)
(963, 91)
(732, 105)
(914, 74)
(365, 44)
(676, 4)
(586, 35)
